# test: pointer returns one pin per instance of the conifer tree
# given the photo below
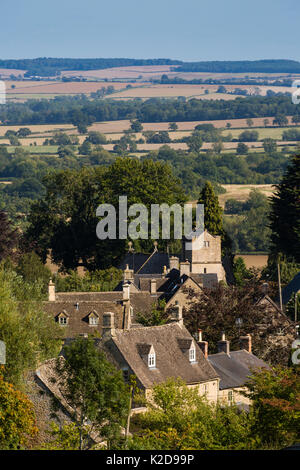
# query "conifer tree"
(285, 213)
(213, 222)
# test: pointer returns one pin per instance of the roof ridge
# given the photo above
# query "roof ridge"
(155, 251)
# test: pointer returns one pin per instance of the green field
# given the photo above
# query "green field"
(38, 149)
(264, 133)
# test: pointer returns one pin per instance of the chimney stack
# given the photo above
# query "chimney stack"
(185, 268)
(178, 313)
(223, 345)
(174, 262)
(108, 326)
(246, 343)
(203, 345)
(51, 291)
(126, 291)
(128, 274)
(153, 286)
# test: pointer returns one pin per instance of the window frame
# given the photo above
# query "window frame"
(192, 354)
(152, 360)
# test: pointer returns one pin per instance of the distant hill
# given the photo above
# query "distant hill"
(45, 66)
(242, 66)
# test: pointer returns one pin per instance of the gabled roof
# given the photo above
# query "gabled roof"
(78, 319)
(144, 263)
(170, 359)
(265, 299)
(235, 368)
(292, 288)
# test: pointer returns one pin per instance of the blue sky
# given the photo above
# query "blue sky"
(179, 29)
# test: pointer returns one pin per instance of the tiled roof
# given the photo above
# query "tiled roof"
(234, 368)
(290, 289)
(171, 361)
(78, 319)
(142, 263)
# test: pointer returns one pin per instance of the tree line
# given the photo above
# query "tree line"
(80, 111)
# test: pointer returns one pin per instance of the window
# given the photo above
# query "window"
(205, 388)
(192, 355)
(93, 321)
(206, 244)
(126, 375)
(230, 395)
(63, 320)
(205, 270)
(151, 360)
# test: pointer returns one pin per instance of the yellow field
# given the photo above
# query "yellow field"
(59, 88)
(254, 261)
(36, 129)
(241, 192)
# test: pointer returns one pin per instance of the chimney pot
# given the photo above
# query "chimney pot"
(174, 262)
(246, 343)
(185, 268)
(51, 291)
(126, 290)
(223, 345)
(203, 345)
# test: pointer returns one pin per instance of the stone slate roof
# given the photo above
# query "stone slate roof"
(270, 304)
(140, 301)
(100, 302)
(205, 280)
(78, 322)
(144, 263)
(234, 368)
(171, 361)
(292, 287)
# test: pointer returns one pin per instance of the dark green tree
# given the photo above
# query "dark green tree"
(136, 126)
(269, 145)
(195, 141)
(8, 237)
(242, 149)
(285, 213)
(94, 389)
(65, 221)
(212, 210)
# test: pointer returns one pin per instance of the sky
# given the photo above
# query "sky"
(187, 30)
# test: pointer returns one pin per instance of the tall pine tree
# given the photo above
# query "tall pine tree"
(285, 213)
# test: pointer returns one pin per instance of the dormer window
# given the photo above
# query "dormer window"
(148, 355)
(187, 346)
(151, 360)
(63, 318)
(192, 354)
(93, 318)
